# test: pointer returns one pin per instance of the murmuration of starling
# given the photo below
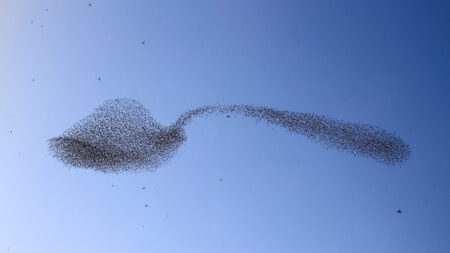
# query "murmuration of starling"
(121, 135)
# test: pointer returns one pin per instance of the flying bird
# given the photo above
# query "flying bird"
(399, 211)
(121, 135)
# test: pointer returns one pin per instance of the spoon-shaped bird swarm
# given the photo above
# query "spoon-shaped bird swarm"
(121, 135)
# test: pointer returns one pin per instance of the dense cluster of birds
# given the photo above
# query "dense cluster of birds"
(121, 135)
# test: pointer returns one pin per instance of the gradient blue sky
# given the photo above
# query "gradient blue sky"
(379, 62)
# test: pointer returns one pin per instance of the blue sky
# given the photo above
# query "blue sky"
(378, 62)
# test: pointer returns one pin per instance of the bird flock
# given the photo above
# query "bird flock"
(121, 135)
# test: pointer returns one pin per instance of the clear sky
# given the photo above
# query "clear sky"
(384, 63)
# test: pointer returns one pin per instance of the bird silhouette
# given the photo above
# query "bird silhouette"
(399, 211)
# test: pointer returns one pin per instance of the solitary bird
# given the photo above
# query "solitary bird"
(90, 4)
(146, 205)
(99, 78)
(399, 211)
(143, 42)
(143, 188)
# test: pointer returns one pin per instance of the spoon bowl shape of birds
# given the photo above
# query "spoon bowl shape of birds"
(121, 135)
